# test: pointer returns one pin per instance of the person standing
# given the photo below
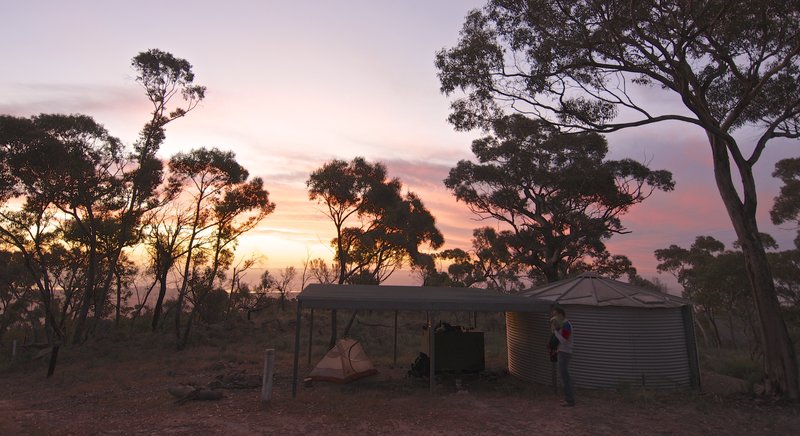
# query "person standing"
(564, 333)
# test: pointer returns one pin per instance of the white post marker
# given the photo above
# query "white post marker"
(266, 381)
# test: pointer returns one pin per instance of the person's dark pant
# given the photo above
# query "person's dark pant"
(563, 374)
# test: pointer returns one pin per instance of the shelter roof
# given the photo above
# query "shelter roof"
(375, 297)
(591, 289)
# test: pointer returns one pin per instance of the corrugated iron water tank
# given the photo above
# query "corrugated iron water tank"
(623, 335)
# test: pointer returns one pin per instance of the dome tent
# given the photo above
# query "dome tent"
(624, 335)
(345, 362)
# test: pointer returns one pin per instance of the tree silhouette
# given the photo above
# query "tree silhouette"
(163, 77)
(16, 290)
(224, 205)
(386, 228)
(69, 163)
(586, 65)
(710, 278)
(554, 194)
(786, 208)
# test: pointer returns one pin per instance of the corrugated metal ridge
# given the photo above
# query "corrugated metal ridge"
(591, 280)
(563, 298)
(658, 297)
(621, 290)
(538, 291)
(565, 291)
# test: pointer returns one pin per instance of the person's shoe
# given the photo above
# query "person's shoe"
(566, 404)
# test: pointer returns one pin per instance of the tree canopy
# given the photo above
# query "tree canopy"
(712, 280)
(224, 205)
(66, 163)
(786, 208)
(73, 199)
(591, 64)
(555, 196)
(377, 227)
(385, 227)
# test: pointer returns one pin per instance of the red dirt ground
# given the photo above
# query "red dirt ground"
(121, 387)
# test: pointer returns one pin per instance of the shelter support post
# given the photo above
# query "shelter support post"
(296, 348)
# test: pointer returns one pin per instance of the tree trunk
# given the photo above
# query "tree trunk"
(700, 328)
(782, 373)
(218, 246)
(713, 321)
(162, 291)
(346, 332)
(186, 268)
(119, 302)
(732, 328)
(184, 339)
(88, 296)
(142, 303)
(334, 333)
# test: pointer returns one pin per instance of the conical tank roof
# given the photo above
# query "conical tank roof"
(591, 289)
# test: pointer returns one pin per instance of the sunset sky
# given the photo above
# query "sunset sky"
(293, 84)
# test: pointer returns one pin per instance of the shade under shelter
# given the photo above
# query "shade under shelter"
(409, 298)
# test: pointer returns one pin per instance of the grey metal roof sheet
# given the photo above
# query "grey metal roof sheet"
(591, 289)
(416, 298)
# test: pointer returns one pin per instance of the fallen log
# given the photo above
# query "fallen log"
(185, 393)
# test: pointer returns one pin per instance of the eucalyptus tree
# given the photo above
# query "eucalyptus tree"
(16, 291)
(345, 190)
(27, 222)
(390, 237)
(241, 208)
(377, 227)
(65, 163)
(225, 205)
(385, 226)
(554, 195)
(786, 210)
(87, 191)
(491, 262)
(320, 271)
(488, 263)
(164, 238)
(71, 163)
(713, 280)
(728, 67)
(168, 82)
(786, 267)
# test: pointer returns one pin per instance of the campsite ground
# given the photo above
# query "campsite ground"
(118, 384)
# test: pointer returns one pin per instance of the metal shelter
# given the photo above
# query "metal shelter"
(626, 335)
(409, 298)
